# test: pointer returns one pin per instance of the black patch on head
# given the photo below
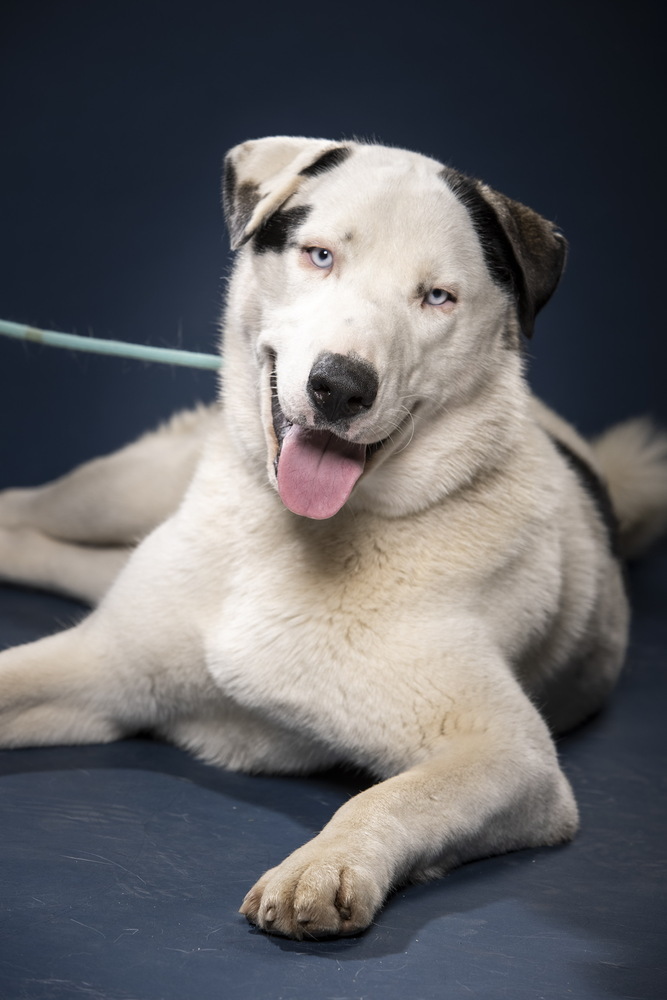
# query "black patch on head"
(498, 251)
(596, 489)
(332, 158)
(276, 231)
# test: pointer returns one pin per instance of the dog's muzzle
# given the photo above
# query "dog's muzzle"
(316, 468)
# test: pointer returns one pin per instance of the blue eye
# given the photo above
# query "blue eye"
(320, 256)
(438, 297)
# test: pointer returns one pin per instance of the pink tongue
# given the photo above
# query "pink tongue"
(316, 471)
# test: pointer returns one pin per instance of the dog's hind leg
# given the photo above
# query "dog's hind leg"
(75, 534)
(85, 572)
(133, 664)
(118, 499)
(62, 690)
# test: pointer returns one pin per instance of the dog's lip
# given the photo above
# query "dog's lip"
(281, 424)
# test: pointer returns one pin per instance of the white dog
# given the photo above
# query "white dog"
(379, 550)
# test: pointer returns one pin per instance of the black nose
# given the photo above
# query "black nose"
(341, 387)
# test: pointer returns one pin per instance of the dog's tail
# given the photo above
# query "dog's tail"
(632, 457)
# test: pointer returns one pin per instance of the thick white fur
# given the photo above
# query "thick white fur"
(467, 583)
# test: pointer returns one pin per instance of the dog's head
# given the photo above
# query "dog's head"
(374, 318)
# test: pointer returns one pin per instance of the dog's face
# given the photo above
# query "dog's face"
(379, 297)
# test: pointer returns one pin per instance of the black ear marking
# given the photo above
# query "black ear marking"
(332, 158)
(228, 187)
(259, 178)
(238, 202)
(523, 252)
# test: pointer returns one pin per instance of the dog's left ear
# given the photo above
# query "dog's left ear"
(524, 253)
(540, 251)
(260, 175)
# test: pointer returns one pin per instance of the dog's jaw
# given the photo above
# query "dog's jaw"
(314, 469)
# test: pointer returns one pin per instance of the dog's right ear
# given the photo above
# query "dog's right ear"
(524, 252)
(260, 175)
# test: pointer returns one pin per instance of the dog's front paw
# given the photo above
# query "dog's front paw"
(314, 895)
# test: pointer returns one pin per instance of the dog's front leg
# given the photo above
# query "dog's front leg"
(484, 792)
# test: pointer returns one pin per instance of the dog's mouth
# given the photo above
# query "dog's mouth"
(315, 469)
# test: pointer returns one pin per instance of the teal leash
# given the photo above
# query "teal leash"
(115, 348)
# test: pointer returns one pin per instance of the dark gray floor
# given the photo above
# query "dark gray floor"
(123, 867)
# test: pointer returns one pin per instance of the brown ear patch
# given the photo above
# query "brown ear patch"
(524, 253)
(539, 246)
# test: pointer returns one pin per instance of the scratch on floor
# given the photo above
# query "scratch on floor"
(90, 928)
(98, 859)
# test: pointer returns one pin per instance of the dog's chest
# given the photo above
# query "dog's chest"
(310, 633)
(291, 608)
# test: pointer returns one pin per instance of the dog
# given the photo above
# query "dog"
(377, 550)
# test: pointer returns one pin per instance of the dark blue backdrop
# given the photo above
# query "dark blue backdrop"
(115, 116)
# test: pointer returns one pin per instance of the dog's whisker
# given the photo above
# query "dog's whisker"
(412, 430)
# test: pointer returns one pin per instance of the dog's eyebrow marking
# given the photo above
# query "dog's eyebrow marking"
(275, 232)
(498, 251)
(332, 158)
